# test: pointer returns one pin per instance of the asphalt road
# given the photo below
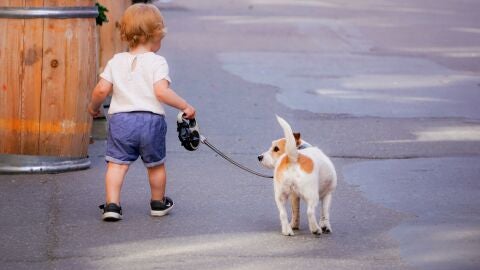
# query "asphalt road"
(389, 89)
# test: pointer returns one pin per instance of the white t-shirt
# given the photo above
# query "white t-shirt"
(133, 77)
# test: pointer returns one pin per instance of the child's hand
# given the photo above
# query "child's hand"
(189, 112)
(94, 113)
(99, 94)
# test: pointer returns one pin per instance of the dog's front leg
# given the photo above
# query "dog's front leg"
(280, 199)
(295, 201)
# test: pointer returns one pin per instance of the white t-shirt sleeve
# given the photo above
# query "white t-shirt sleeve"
(161, 71)
(107, 72)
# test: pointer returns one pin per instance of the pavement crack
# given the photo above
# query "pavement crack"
(395, 157)
(374, 157)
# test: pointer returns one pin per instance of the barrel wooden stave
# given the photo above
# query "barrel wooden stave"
(46, 74)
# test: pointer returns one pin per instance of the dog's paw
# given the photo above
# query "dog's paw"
(294, 226)
(326, 230)
(288, 232)
(325, 225)
(315, 229)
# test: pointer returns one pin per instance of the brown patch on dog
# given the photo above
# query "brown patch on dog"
(306, 163)
(297, 136)
(281, 148)
(282, 166)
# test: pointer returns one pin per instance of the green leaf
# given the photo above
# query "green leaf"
(102, 16)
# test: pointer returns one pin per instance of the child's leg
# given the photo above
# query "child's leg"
(113, 181)
(157, 177)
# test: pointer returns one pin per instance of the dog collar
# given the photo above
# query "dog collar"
(303, 146)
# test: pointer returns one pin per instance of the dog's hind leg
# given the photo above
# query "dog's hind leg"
(325, 219)
(312, 219)
(295, 201)
(280, 199)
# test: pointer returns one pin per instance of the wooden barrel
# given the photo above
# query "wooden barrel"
(47, 71)
(109, 39)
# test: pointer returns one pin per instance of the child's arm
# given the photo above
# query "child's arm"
(99, 94)
(165, 94)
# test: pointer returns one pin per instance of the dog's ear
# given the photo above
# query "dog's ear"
(297, 138)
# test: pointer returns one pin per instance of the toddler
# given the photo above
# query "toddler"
(140, 85)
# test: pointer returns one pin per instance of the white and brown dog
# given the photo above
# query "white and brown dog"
(300, 171)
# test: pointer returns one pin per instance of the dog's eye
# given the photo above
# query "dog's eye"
(276, 149)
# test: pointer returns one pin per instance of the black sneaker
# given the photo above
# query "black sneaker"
(111, 212)
(161, 208)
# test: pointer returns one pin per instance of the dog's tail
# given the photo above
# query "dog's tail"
(290, 146)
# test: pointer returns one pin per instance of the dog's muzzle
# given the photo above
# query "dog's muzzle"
(260, 157)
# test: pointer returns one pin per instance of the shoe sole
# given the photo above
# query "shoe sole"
(111, 216)
(160, 213)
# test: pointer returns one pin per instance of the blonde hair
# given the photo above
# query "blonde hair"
(142, 23)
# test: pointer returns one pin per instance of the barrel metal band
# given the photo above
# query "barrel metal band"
(48, 12)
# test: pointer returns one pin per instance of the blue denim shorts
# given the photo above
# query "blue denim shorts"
(134, 134)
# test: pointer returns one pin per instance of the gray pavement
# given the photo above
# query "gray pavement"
(389, 89)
